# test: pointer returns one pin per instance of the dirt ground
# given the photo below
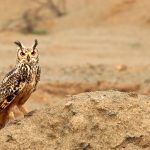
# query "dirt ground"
(88, 121)
(101, 47)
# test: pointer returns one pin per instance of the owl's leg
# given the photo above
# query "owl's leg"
(22, 109)
(11, 116)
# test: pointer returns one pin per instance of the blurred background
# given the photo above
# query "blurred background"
(84, 45)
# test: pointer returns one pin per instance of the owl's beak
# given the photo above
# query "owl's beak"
(28, 58)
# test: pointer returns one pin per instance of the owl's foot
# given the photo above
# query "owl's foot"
(12, 119)
(15, 121)
(30, 113)
(23, 109)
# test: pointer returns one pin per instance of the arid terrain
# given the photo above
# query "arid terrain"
(96, 46)
(88, 121)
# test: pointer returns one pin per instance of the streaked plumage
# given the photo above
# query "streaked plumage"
(20, 82)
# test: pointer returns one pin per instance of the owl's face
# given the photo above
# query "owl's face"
(27, 55)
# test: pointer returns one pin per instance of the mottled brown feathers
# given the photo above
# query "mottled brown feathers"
(35, 44)
(20, 82)
(19, 44)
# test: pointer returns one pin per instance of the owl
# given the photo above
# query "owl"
(20, 82)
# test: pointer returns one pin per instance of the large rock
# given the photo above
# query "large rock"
(96, 121)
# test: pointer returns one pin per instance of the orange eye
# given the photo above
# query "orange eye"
(22, 54)
(33, 53)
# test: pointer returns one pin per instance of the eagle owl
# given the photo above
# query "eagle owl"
(20, 82)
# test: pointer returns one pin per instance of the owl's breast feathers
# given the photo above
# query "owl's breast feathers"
(16, 81)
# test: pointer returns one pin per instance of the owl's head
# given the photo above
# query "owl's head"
(27, 55)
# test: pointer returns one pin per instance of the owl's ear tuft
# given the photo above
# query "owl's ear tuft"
(19, 44)
(35, 44)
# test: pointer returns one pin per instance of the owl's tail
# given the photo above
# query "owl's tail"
(4, 118)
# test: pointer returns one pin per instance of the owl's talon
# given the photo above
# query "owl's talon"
(16, 121)
(30, 113)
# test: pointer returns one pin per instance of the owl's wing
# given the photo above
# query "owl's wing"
(37, 79)
(9, 88)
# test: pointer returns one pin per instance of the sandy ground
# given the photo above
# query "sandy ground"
(90, 121)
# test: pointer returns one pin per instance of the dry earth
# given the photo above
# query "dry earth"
(89, 121)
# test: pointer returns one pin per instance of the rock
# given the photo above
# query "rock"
(116, 121)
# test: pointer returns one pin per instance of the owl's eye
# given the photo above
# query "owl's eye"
(33, 53)
(22, 54)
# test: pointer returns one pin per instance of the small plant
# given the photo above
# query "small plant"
(135, 44)
(40, 31)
